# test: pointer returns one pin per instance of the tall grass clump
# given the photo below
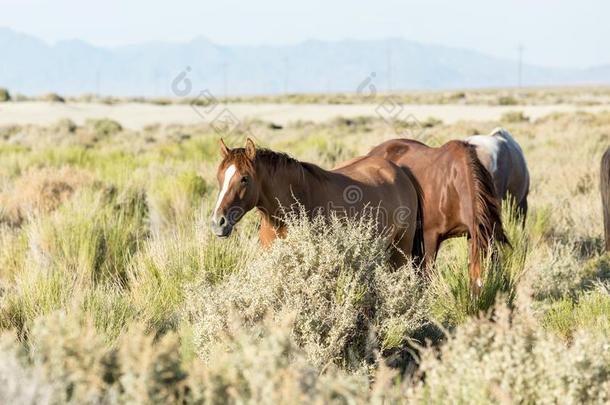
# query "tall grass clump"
(452, 299)
(39, 191)
(169, 262)
(84, 244)
(94, 235)
(174, 197)
(334, 276)
(589, 310)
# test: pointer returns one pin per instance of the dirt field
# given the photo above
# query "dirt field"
(136, 116)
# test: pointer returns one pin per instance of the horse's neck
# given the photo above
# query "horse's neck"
(298, 183)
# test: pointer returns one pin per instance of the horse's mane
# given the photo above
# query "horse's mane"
(274, 162)
(486, 204)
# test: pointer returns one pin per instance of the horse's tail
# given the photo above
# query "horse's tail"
(418, 251)
(605, 190)
(487, 218)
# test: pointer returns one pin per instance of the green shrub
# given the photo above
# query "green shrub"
(511, 359)
(65, 126)
(334, 276)
(104, 127)
(512, 117)
(53, 98)
(4, 95)
(431, 122)
(507, 100)
(590, 312)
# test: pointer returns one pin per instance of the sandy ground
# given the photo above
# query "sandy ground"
(135, 116)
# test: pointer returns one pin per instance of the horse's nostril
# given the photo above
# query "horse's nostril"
(222, 221)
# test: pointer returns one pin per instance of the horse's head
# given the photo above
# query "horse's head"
(239, 187)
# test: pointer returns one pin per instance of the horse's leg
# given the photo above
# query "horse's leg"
(431, 244)
(397, 257)
(401, 248)
(267, 233)
(474, 267)
(522, 207)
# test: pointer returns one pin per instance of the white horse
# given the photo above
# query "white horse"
(505, 161)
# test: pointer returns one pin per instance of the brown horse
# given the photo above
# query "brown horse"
(271, 182)
(458, 196)
(504, 160)
(605, 189)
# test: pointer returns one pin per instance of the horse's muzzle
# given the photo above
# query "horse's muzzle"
(221, 227)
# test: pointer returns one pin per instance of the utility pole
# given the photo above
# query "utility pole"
(225, 80)
(286, 75)
(389, 67)
(520, 77)
(97, 83)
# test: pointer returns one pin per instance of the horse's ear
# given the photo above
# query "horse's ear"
(250, 149)
(224, 150)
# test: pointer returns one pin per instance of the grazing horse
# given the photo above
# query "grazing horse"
(504, 160)
(269, 181)
(605, 189)
(458, 197)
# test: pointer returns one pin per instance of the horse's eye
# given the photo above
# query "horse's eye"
(245, 180)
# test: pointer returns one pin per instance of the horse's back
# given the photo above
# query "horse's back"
(503, 158)
(386, 191)
(442, 176)
(382, 179)
(369, 169)
(488, 149)
(398, 150)
(518, 173)
(375, 171)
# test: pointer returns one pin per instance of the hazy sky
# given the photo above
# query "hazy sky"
(553, 32)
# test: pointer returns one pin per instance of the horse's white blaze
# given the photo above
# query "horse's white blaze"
(229, 173)
(491, 145)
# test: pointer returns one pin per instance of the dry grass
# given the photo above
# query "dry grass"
(114, 290)
(527, 96)
(40, 191)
